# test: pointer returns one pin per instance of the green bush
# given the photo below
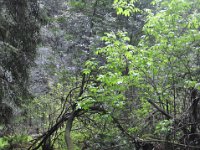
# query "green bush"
(3, 143)
(14, 141)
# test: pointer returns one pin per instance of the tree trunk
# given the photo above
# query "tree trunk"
(68, 139)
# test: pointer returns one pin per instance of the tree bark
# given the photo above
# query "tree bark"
(68, 128)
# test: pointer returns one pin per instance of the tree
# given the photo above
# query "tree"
(19, 28)
(134, 93)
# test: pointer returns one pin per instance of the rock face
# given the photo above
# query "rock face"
(39, 77)
(49, 60)
(48, 65)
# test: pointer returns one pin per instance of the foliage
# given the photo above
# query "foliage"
(125, 7)
(129, 80)
(3, 143)
(163, 127)
(158, 67)
(19, 27)
(15, 141)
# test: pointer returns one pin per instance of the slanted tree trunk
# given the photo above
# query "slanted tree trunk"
(68, 128)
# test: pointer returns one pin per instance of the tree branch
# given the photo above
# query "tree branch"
(159, 109)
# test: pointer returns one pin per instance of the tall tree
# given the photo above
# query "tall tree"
(19, 28)
(134, 88)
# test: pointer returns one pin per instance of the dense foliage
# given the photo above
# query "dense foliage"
(123, 74)
(19, 28)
